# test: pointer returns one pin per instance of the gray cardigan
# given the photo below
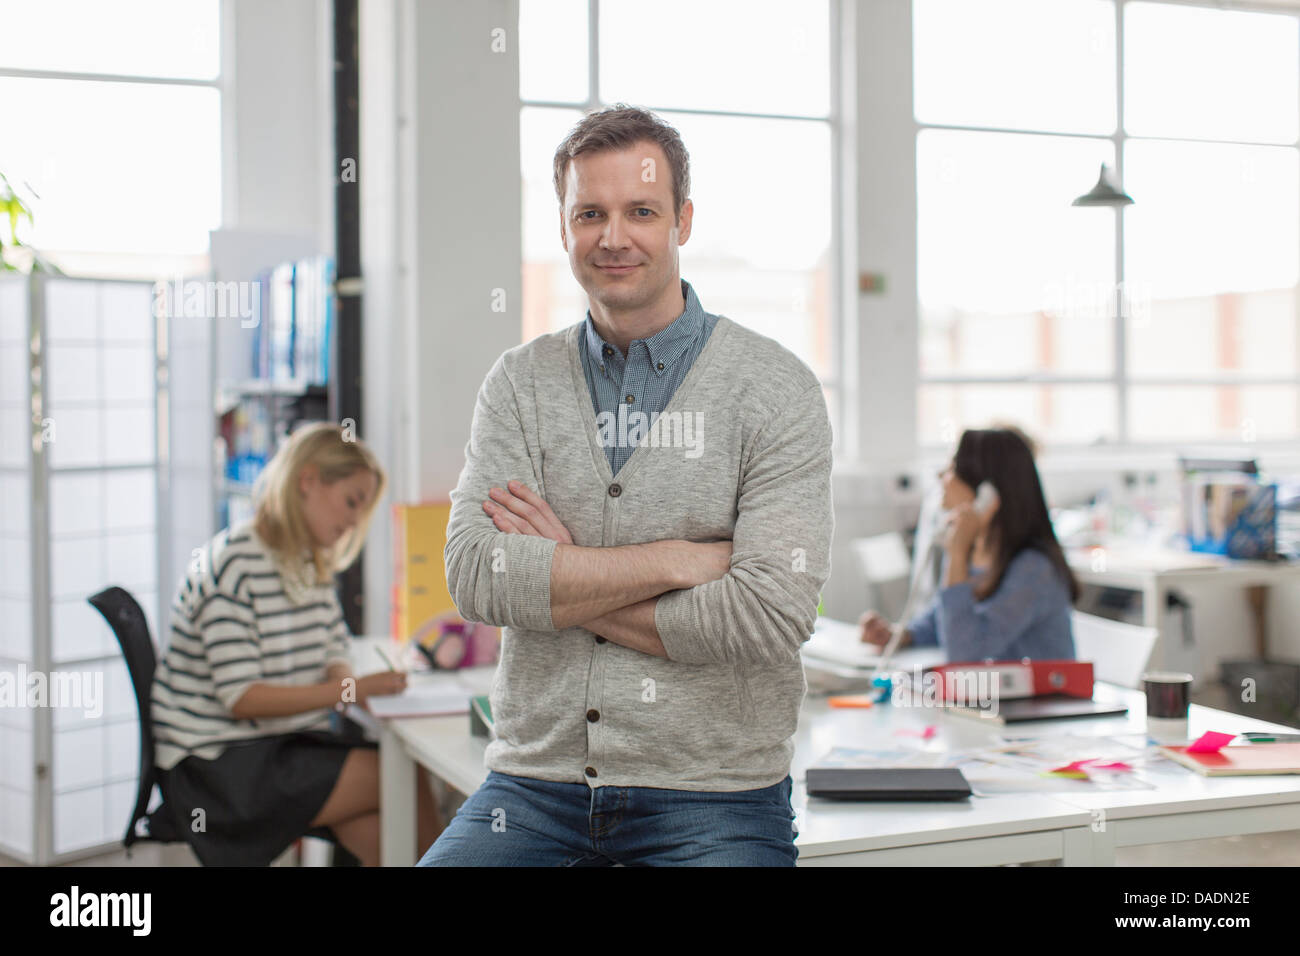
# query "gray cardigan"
(721, 711)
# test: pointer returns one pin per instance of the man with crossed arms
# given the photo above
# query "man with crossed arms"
(655, 583)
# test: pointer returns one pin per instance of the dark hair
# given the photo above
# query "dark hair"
(1001, 457)
(619, 127)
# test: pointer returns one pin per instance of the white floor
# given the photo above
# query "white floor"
(173, 854)
(1270, 849)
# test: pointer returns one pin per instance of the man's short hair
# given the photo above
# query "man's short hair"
(619, 127)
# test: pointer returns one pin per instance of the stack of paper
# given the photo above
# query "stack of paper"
(834, 642)
(426, 696)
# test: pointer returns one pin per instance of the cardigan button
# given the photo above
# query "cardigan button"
(590, 771)
(593, 715)
(615, 490)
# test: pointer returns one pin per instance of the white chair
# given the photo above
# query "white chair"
(1119, 652)
(883, 560)
(883, 557)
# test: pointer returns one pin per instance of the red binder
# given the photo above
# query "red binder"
(1016, 679)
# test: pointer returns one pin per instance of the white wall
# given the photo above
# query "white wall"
(881, 133)
(379, 177)
(441, 204)
(278, 85)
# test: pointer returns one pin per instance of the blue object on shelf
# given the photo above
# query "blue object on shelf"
(1252, 534)
(244, 469)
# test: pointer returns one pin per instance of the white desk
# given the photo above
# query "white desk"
(1075, 828)
(1192, 807)
(984, 831)
(1155, 573)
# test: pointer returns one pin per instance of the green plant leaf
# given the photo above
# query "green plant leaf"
(13, 207)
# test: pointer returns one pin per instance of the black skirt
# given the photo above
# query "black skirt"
(258, 796)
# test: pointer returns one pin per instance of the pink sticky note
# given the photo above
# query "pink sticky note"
(1210, 742)
(1117, 765)
(926, 734)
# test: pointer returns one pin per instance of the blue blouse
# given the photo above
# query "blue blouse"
(1027, 616)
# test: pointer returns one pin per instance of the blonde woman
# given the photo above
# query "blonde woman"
(258, 659)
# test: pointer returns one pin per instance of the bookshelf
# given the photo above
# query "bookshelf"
(282, 378)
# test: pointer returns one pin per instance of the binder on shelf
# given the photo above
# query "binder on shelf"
(295, 323)
(420, 577)
(287, 375)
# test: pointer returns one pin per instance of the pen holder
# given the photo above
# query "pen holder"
(882, 687)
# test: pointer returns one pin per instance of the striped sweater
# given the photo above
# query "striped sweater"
(232, 625)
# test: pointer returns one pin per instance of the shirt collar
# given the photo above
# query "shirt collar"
(665, 347)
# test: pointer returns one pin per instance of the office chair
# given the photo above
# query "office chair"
(129, 625)
(128, 622)
(1119, 652)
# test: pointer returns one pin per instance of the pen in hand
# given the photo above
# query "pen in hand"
(381, 683)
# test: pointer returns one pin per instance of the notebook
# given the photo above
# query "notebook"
(834, 642)
(1241, 760)
(431, 703)
(1051, 707)
(887, 783)
(427, 695)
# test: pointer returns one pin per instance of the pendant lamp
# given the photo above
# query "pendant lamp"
(1105, 193)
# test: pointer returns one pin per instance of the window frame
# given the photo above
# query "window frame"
(1120, 380)
(838, 383)
(127, 265)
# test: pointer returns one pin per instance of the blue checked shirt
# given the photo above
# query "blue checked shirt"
(646, 380)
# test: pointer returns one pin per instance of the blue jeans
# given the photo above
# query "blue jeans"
(518, 821)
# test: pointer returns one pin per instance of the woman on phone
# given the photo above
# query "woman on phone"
(1006, 590)
(258, 662)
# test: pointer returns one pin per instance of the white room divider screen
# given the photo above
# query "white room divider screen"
(84, 504)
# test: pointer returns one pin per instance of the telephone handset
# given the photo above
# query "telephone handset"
(986, 496)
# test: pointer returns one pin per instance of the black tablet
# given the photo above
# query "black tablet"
(887, 783)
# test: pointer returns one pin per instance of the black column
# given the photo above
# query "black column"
(345, 395)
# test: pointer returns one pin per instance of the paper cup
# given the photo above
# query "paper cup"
(1169, 695)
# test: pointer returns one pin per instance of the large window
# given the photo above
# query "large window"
(760, 141)
(112, 129)
(1173, 321)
